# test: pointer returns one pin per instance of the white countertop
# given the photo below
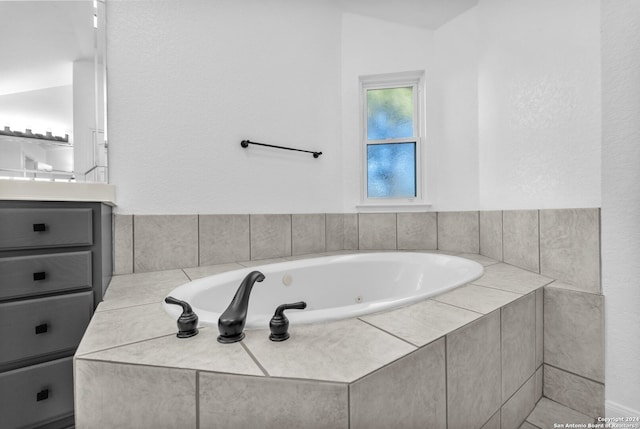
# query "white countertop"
(57, 191)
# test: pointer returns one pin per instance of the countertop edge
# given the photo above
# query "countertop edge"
(57, 191)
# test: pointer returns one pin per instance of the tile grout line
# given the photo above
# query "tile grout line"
(197, 399)
(478, 232)
(250, 256)
(573, 373)
(446, 382)
(349, 405)
(502, 401)
(87, 355)
(358, 231)
(525, 382)
(497, 288)
(388, 364)
(459, 307)
(599, 211)
(262, 368)
(391, 334)
(437, 233)
(502, 235)
(198, 238)
(539, 244)
(542, 365)
(324, 215)
(569, 408)
(127, 306)
(133, 244)
(520, 293)
(541, 335)
(396, 218)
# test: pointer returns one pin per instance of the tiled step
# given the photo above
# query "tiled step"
(547, 413)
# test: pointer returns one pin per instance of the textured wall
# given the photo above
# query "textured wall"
(189, 80)
(454, 115)
(621, 201)
(539, 104)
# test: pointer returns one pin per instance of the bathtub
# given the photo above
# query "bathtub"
(334, 287)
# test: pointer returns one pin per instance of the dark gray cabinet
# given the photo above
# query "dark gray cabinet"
(55, 265)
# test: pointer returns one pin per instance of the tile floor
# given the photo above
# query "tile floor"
(547, 413)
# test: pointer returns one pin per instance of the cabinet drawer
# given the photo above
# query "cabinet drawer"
(36, 327)
(36, 394)
(30, 228)
(32, 275)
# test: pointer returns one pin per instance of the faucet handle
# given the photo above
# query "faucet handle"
(188, 320)
(279, 323)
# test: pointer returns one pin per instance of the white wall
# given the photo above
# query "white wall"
(539, 104)
(454, 115)
(621, 203)
(371, 46)
(189, 80)
(515, 120)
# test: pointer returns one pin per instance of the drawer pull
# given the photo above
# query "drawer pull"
(39, 227)
(42, 395)
(39, 276)
(41, 329)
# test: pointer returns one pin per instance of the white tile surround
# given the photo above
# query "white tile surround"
(402, 351)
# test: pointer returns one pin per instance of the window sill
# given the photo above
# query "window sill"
(392, 207)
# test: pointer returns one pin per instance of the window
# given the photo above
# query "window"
(392, 135)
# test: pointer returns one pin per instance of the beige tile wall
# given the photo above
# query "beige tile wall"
(144, 243)
(452, 379)
(418, 382)
(223, 238)
(167, 396)
(491, 234)
(562, 244)
(459, 231)
(164, 242)
(473, 372)
(521, 239)
(231, 401)
(570, 247)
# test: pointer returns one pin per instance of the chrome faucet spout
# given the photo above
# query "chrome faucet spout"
(231, 322)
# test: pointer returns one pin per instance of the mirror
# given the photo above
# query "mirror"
(52, 91)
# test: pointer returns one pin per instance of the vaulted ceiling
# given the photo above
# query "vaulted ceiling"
(429, 14)
(39, 40)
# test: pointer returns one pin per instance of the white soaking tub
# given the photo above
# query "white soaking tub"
(334, 287)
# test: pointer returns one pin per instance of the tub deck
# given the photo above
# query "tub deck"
(336, 374)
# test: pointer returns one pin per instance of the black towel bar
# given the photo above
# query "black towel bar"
(246, 143)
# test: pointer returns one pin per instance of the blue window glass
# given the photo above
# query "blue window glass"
(391, 170)
(389, 113)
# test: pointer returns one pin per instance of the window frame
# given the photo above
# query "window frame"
(415, 80)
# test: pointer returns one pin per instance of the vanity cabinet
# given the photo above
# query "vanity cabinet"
(55, 265)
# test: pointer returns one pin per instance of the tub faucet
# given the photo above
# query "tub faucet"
(231, 322)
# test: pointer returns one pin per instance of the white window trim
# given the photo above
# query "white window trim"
(414, 79)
